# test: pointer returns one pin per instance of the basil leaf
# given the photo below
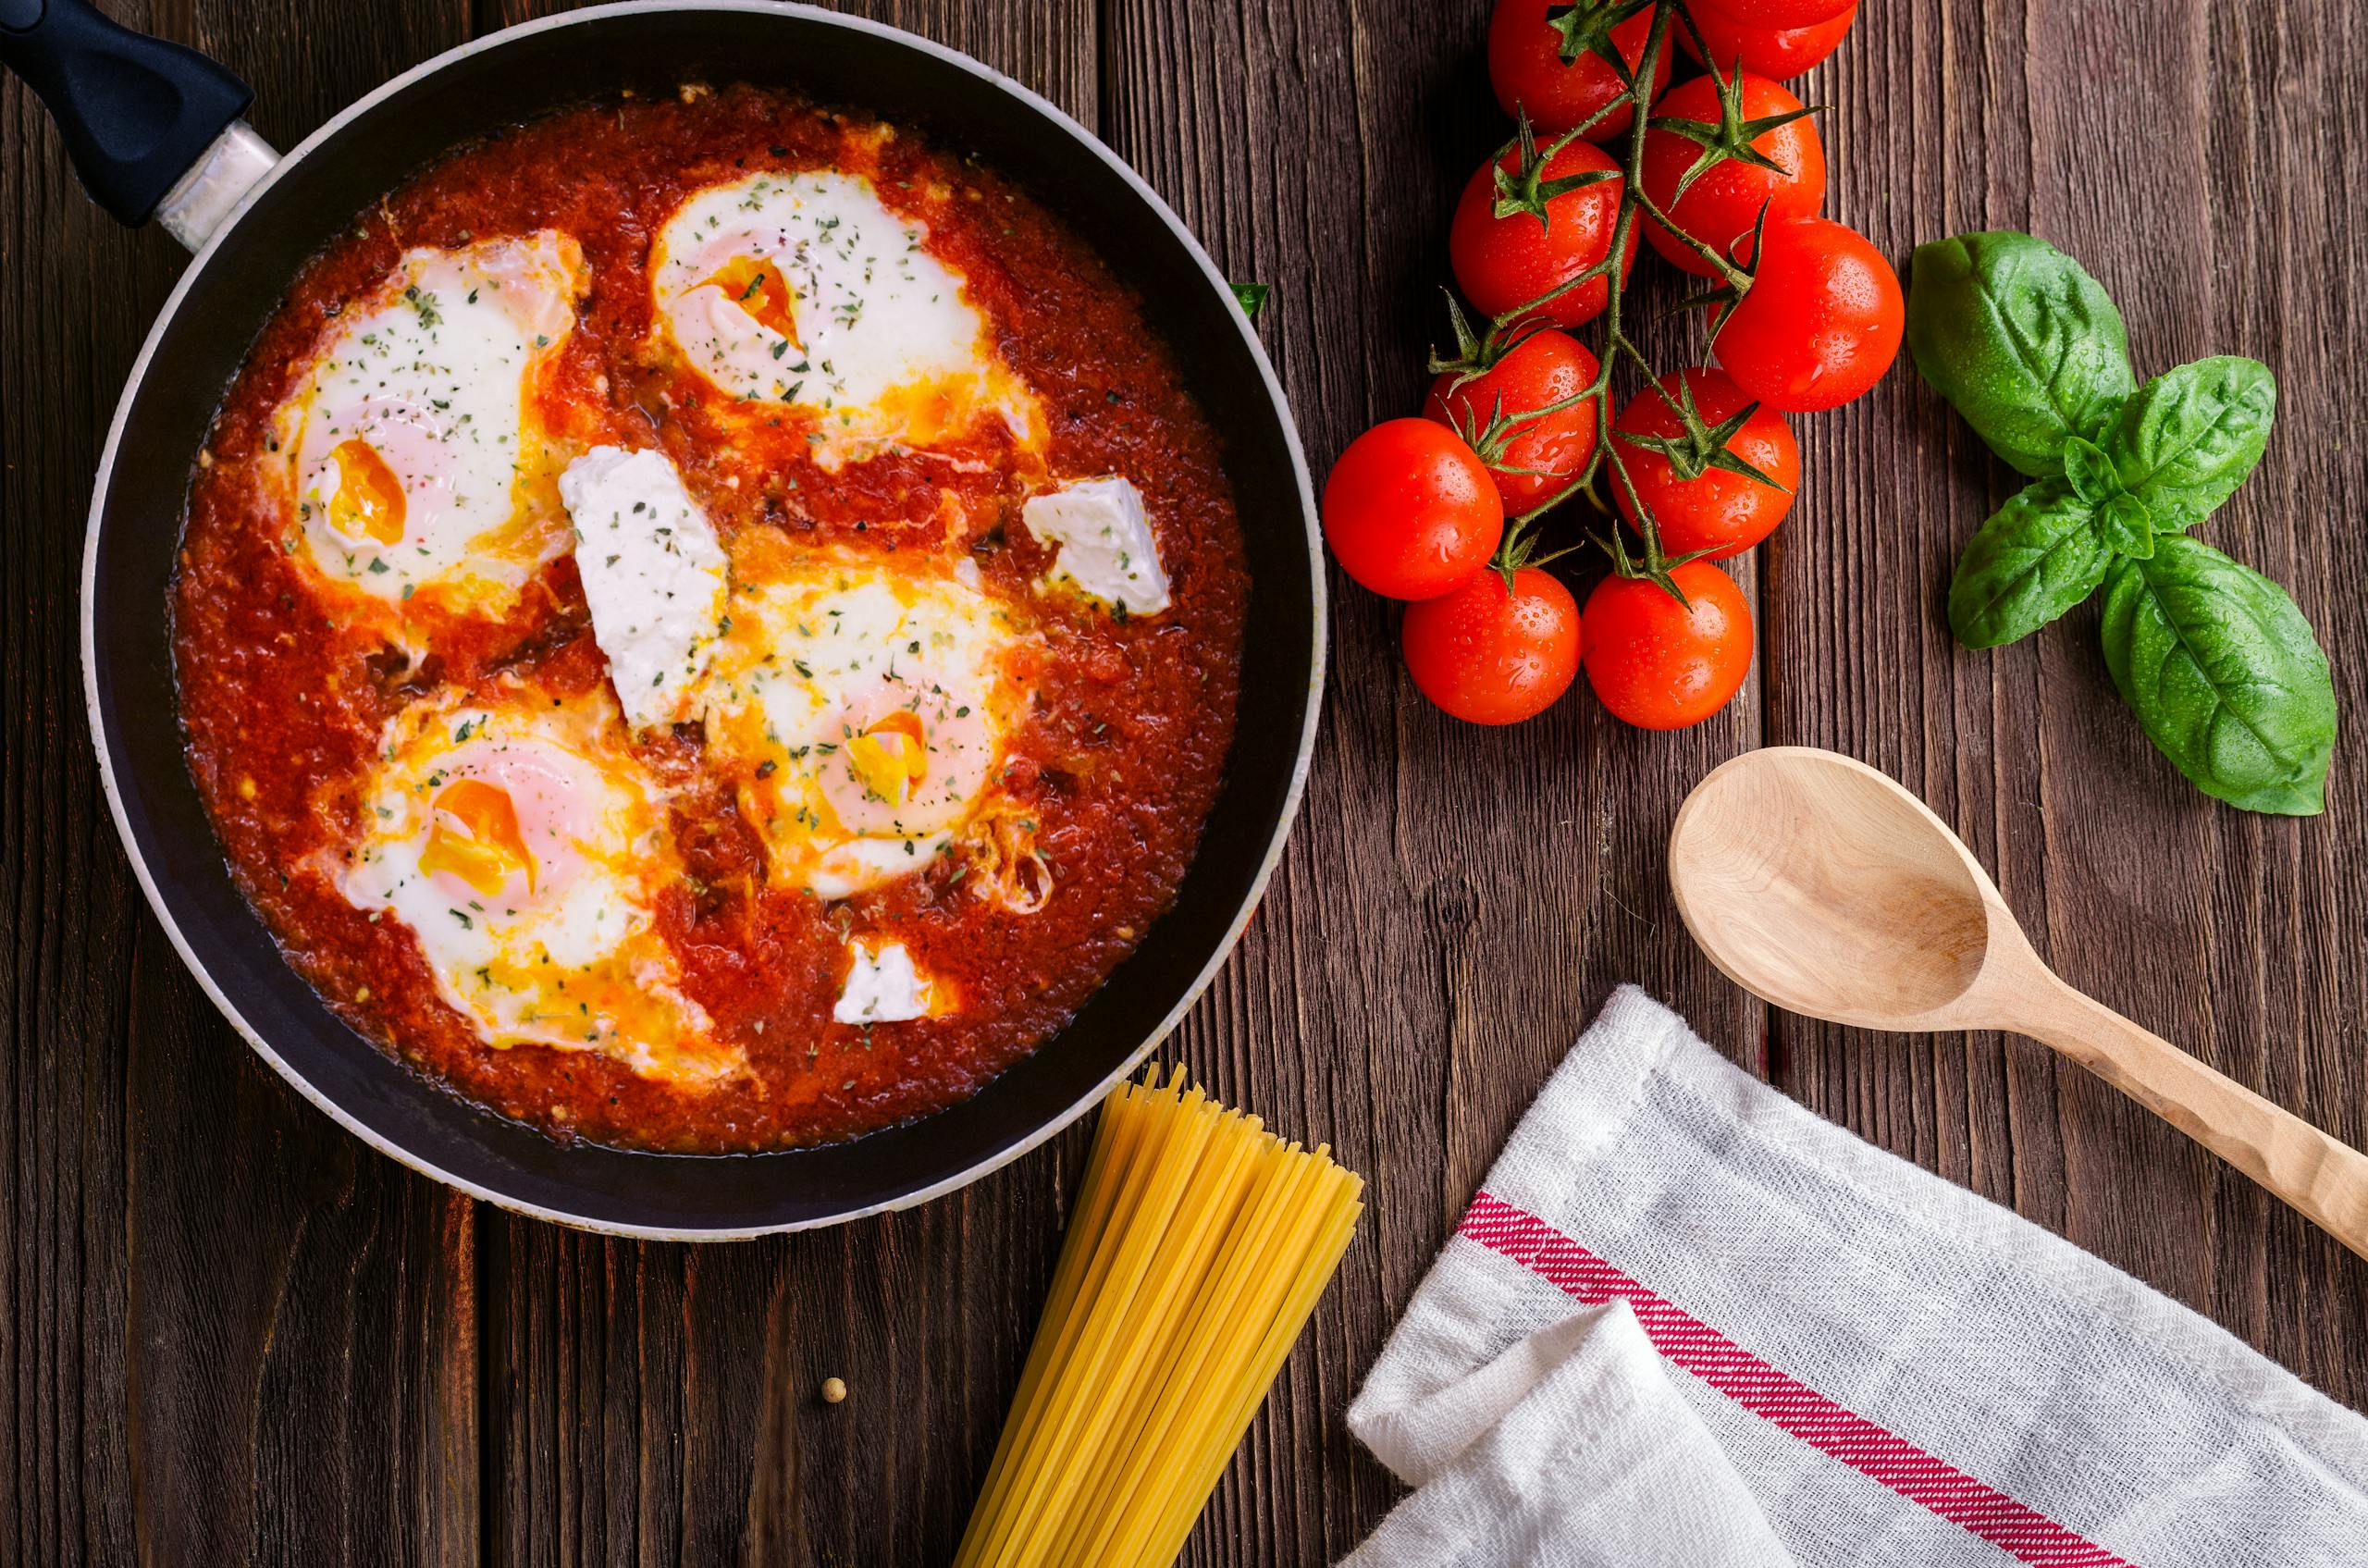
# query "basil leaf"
(1252, 296)
(2036, 558)
(2188, 439)
(2223, 672)
(2094, 479)
(2127, 527)
(2023, 342)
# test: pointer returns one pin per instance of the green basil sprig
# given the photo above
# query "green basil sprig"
(2218, 664)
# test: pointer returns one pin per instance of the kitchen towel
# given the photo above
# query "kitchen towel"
(1688, 1324)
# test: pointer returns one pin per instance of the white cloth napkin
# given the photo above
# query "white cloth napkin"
(1686, 1323)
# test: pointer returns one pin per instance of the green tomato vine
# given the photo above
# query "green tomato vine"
(1587, 26)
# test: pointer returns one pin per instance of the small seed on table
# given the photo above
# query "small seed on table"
(833, 1390)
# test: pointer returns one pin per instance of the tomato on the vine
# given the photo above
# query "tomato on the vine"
(1530, 458)
(1820, 322)
(1778, 13)
(1410, 510)
(1735, 146)
(1659, 664)
(1495, 655)
(1544, 61)
(1779, 53)
(1501, 263)
(1696, 477)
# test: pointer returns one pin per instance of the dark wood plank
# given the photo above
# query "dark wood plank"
(233, 1333)
(2182, 161)
(64, 1465)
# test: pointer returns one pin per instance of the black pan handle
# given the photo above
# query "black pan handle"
(137, 113)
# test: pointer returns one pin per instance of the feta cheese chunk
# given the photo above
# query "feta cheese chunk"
(653, 574)
(882, 987)
(1105, 543)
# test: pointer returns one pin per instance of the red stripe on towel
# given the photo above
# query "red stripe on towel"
(1793, 1405)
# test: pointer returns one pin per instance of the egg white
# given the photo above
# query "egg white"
(523, 846)
(805, 290)
(413, 455)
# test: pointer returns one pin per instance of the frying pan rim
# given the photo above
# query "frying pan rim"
(1277, 832)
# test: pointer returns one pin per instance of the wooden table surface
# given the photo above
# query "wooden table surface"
(231, 1332)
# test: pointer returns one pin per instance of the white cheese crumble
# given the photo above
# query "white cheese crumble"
(653, 575)
(882, 987)
(1105, 542)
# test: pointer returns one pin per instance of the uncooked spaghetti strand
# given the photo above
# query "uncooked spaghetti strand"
(1225, 1314)
(1115, 1144)
(1337, 1229)
(1112, 1290)
(1198, 1248)
(1181, 1253)
(1113, 1141)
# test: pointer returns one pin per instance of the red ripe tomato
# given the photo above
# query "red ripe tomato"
(1495, 656)
(1777, 13)
(1723, 201)
(1505, 262)
(1527, 68)
(1410, 512)
(1534, 457)
(1779, 53)
(1663, 666)
(1720, 511)
(1820, 322)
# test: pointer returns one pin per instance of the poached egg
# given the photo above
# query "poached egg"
(805, 290)
(864, 703)
(522, 845)
(416, 459)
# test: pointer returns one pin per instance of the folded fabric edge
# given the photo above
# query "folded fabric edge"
(1601, 1377)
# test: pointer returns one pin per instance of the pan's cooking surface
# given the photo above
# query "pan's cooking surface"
(919, 792)
(206, 333)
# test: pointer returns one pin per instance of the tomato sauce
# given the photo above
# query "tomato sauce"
(285, 691)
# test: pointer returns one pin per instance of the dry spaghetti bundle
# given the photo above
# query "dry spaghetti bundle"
(1199, 1246)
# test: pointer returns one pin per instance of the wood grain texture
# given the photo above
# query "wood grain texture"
(229, 1332)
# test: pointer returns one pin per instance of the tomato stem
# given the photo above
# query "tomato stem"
(1523, 193)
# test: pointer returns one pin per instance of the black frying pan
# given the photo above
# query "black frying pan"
(154, 130)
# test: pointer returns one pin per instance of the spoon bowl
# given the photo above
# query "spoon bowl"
(1819, 885)
(1822, 886)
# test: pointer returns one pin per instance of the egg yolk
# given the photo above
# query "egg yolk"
(477, 837)
(369, 499)
(758, 288)
(891, 757)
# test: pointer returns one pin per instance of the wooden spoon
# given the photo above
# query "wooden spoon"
(1818, 884)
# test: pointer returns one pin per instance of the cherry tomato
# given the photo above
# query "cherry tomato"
(1410, 510)
(1723, 201)
(1719, 511)
(1505, 262)
(1777, 13)
(1493, 656)
(1663, 666)
(1779, 53)
(1536, 457)
(1526, 66)
(1820, 322)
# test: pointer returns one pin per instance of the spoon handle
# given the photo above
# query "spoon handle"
(2323, 1177)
